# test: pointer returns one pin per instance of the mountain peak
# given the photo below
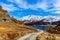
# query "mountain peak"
(0, 7)
(4, 14)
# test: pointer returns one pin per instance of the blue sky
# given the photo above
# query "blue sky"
(20, 8)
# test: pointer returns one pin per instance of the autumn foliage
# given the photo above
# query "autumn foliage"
(55, 30)
(16, 21)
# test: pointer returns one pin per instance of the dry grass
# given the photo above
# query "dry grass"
(46, 36)
(13, 30)
(10, 30)
(57, 36)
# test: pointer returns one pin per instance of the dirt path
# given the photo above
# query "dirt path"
(31, 36)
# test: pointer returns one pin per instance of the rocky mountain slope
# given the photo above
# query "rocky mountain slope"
(10, 28)
(4, 14)
(13, 30)
(55, 30)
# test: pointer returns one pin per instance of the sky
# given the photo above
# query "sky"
(21, 8)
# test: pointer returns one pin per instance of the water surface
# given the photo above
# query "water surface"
(40, 27)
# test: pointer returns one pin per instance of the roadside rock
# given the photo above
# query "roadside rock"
(46, 36)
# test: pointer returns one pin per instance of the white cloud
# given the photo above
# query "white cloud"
(20, 3)
(42, 5)
(56, 8)
(10, 0)
(57, 3)
(56, 12)
(8, 7)
(23, 4)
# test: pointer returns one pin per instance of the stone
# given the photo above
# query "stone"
(4, 14)
(0, 7)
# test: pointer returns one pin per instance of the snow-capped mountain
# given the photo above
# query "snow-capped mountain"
(51, 18)
(33, 18)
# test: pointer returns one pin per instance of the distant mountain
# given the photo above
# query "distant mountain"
(32, 19)
(56, 22)
(52, 19)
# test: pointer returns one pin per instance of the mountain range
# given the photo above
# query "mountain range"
(40, 19)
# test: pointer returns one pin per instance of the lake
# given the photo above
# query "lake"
(40, 27)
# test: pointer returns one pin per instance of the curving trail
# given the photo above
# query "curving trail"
(31, 36)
